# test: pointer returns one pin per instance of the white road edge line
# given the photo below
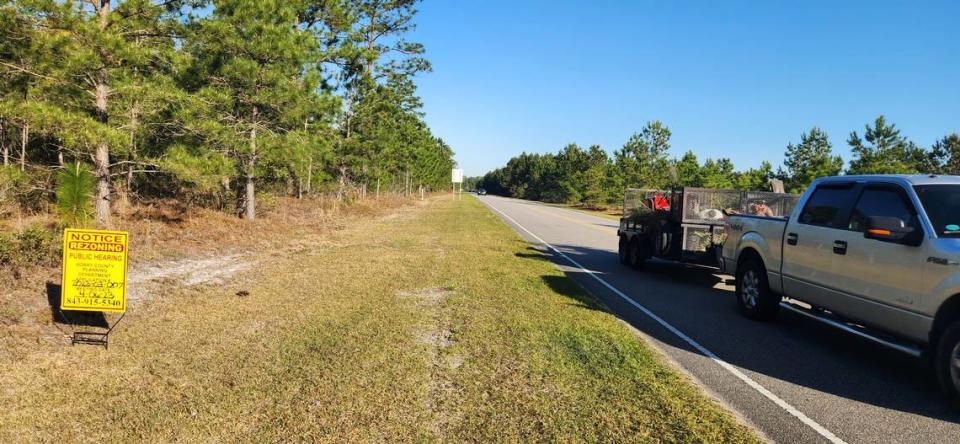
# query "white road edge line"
(706, 352)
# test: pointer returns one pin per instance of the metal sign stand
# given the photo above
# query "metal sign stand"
(90, 337)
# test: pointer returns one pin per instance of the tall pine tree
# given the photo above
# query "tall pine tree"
(811, 158)
(252, 54)
(883, 150)
(643, 161)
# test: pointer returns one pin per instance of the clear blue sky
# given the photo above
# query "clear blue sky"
(730, 79)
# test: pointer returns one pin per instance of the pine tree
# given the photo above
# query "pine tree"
(944, 156)
(238, 95)
(253, 52)
(718, 174)
(378, 65)
(84, 55)
(566, 182)
(754, 179)
(884, 151)
(688, 171)
(811, 158)
(643, 161)
(75, 186)
(595, 188)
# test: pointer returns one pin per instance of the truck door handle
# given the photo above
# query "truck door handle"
(839, 247)
(792, 238)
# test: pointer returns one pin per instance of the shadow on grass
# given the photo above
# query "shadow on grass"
(567, 287)
(538, 256)
(561, 284)
(84, 318)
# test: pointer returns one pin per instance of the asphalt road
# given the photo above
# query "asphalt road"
(795, 379)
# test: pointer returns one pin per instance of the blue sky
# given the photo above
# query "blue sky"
(730, 79)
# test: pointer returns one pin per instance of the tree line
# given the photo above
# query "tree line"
(592, 177)
(210, 101)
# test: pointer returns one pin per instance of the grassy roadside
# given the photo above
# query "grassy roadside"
(437, 324)
(161, 232)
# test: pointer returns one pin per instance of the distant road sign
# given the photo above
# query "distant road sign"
(94, 270)
(457, 175)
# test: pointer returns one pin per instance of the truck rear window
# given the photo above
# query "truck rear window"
(942, 204)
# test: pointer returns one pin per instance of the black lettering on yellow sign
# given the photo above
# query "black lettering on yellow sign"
(94, 270)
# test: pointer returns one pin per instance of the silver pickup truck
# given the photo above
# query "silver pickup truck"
(877, 256)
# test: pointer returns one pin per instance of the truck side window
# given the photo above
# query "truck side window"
(880, 202)
(826, 206)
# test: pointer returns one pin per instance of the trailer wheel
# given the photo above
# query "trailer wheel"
(636, 254)
(947, 361)
(754, 297)
(623, 250)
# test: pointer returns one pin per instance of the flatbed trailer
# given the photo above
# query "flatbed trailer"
(687, 224)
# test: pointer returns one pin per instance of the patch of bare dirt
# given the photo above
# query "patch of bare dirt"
(188, 272)
(428, 296)
(436, 334)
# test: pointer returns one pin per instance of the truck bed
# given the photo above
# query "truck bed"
(763, 233)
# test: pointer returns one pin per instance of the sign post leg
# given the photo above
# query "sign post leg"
(89, 337)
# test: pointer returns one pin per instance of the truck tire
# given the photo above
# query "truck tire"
(754, 298)
(947, 361)
(636, 256)
(623, 250)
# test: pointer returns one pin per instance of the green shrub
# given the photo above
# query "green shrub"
(8, 250)
(36, 246)
(34, 200)
(30, 247)
(266, 203)
(11, 180)
(28, 190)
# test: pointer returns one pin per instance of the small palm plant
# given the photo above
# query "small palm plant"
(75, 194)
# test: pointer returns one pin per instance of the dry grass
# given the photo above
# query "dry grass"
(167, 230)
(423, 327)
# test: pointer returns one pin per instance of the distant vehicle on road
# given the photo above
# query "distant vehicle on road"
(877, 256)
(481, 192)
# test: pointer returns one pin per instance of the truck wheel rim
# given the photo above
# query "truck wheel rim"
(750, 289)
(955, 366)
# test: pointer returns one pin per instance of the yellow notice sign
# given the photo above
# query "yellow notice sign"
(94, 270)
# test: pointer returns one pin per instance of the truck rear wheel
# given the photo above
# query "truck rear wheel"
(623, 250)
(754, 297)
(947, 361)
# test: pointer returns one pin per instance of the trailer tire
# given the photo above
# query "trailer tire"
(754, 297)
(947, 361)
(623, 250)
(636, 255)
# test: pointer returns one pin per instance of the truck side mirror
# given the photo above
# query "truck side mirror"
(892, 229)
